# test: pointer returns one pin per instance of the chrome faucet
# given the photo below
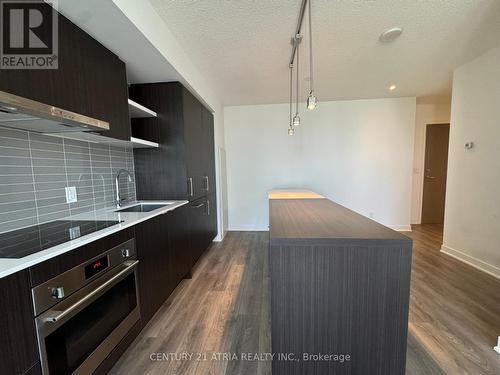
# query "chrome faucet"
(119, 200)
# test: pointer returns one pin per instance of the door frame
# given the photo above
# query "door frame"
(422, 164)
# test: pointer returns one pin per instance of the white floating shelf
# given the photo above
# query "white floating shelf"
(142, 143)
(137, 110)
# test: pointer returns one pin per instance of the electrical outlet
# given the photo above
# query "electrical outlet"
(71, 194)
(74, 232)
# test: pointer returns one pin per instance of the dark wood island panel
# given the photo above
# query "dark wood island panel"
(340, 286)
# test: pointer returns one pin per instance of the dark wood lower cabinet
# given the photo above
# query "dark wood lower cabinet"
(19, 349)
(179, 239)
(152, 251)
(202, 224)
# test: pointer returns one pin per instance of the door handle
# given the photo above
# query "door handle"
(430, 177)
(207, 187)
(190, 187)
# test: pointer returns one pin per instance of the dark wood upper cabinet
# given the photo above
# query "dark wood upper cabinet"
(183, 167)
(209, 144)
(195, 144)
(90, 80)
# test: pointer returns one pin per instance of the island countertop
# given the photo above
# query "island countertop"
(320, 220)
(340, 284)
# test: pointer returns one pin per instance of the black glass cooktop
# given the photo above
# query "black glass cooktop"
(23, 242)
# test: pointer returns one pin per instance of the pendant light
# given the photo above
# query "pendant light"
(312, 101)
(291, 130)
(296, 118)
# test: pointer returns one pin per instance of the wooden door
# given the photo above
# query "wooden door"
(435, 171)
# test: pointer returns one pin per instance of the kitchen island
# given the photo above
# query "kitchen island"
(340, 286)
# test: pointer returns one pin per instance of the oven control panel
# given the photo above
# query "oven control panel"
(60, 287)
(96, 267)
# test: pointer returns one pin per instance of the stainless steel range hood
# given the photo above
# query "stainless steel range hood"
(21, 113)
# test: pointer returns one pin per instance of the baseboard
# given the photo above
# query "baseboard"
(247, 228)
(471, 261)
(400, 228)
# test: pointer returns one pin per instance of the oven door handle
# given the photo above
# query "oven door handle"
(62, 314)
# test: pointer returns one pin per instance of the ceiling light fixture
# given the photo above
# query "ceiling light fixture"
(296, 118)
(392, 87)
(390, 35)
(291, 130)
(312, 101)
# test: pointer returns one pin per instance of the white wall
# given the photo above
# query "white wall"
(145, 18)
(358, 153)
(472, 215)
(437, 112)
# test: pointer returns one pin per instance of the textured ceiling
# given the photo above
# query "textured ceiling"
(242, 46)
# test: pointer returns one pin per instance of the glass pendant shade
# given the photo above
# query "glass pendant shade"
(312, 102)
(296, 120)
(291, 131)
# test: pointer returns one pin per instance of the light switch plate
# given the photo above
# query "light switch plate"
(71, 194)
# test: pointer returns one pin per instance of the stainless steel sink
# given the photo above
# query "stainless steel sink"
(143, 207)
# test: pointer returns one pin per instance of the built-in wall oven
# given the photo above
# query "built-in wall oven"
(83, 313)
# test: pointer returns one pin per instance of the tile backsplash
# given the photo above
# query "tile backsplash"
(36, 168)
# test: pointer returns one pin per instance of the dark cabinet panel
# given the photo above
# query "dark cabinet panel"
(90, 80)
(197, 225)
(63, 87)
(153, 254)
(19, 349)
(179, 237)
(161, 173)
(211, 220)
(106, 87)
(203, 225)
(208, 174)
(195, 144)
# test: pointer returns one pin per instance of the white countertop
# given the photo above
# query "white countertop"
(10, 266)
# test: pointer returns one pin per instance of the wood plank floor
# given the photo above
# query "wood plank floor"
(224, 308)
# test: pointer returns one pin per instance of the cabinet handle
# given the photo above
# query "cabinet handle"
(208, 208)
(207, 187)
(190, 182)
